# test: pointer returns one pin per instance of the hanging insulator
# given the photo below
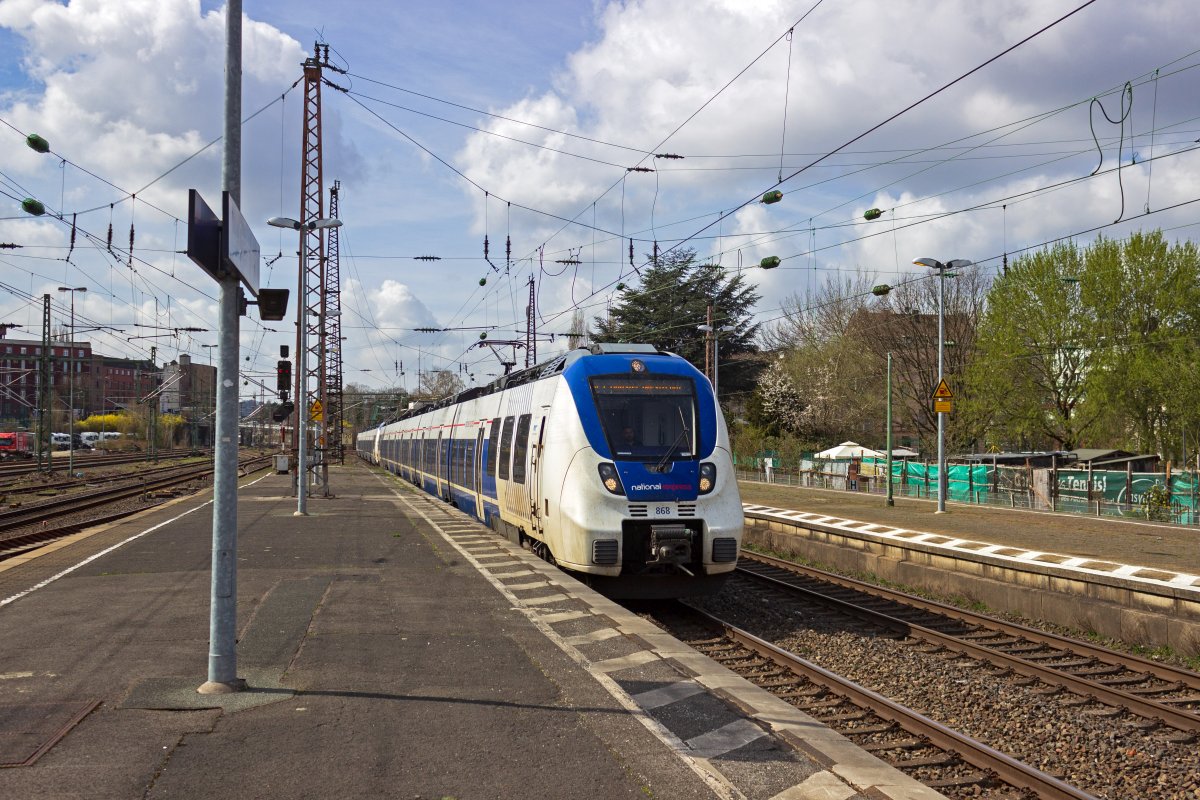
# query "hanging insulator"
(131, 244)
(37, 143)
(656, 251)
(485, 246)
(773, 196)
(881, 290)
(631, 253)
(508, 250)
(72, 248)
(31, 206)
(483, 281)
(770, 262)
(872, 213)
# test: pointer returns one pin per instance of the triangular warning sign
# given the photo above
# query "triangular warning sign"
(942, 392)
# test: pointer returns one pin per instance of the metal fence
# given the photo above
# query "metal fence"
(1161, 496)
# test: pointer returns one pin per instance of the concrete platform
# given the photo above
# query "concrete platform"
(393, 648)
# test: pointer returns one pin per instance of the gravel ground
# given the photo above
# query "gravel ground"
(1110, 756)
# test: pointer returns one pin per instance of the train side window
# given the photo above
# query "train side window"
(493, 440)
(520, 448)
(506, 446)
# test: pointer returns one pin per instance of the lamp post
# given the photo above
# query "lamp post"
(933, 263)
(890, 500)
(714, 330)
(302, 363)
(71, 377)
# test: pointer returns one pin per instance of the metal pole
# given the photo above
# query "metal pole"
(71, 391)
(941, 501)
(302, 411)
(222, 649)
(716, 363)
(890, 500)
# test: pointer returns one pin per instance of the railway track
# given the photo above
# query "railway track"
(1155, 691)
(1001, 710)
(932, 753)
(28, 527)
(13, 469)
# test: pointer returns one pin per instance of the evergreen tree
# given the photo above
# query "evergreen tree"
(669, 303)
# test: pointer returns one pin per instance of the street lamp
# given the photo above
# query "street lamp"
(933, 263)
(714, 330)
(71, 377)
(302, 362)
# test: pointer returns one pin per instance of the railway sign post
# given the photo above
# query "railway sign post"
(943, 398)
(230, 261)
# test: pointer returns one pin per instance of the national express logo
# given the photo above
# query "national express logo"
(658, 487)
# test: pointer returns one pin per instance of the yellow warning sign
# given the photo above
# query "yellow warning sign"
(943, 406)
(316, 411)
(942, 392)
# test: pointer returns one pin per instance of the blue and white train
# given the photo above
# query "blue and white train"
(611, 461)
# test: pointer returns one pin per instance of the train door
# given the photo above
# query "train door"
(536, 505)
(477, 474)
(439, 461)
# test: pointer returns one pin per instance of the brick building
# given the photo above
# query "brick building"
(19, 379)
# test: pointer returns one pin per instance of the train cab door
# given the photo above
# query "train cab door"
(537, 507)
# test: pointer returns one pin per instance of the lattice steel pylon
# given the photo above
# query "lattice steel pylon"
(310, 297)
(332, 381)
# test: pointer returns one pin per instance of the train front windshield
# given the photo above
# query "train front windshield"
(647, 417)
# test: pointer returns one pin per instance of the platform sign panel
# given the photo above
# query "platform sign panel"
(203, 235)
(239, 249)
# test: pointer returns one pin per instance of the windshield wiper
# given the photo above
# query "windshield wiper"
(671, 450)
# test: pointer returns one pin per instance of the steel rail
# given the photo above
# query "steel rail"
(23, 467)
(1174, 717)
(1010, 770)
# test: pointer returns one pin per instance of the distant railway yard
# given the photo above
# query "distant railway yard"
(39, 507)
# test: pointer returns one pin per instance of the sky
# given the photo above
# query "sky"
(522, 122)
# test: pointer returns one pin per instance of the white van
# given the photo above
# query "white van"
(61, 441)
(109, 435)
(89, 437)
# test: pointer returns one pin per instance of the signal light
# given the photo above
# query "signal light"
(283, 372)
(283, 411)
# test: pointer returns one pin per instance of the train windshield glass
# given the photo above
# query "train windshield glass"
(647, 417)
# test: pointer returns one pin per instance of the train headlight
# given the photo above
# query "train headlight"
(708, 477)
(610, 479)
